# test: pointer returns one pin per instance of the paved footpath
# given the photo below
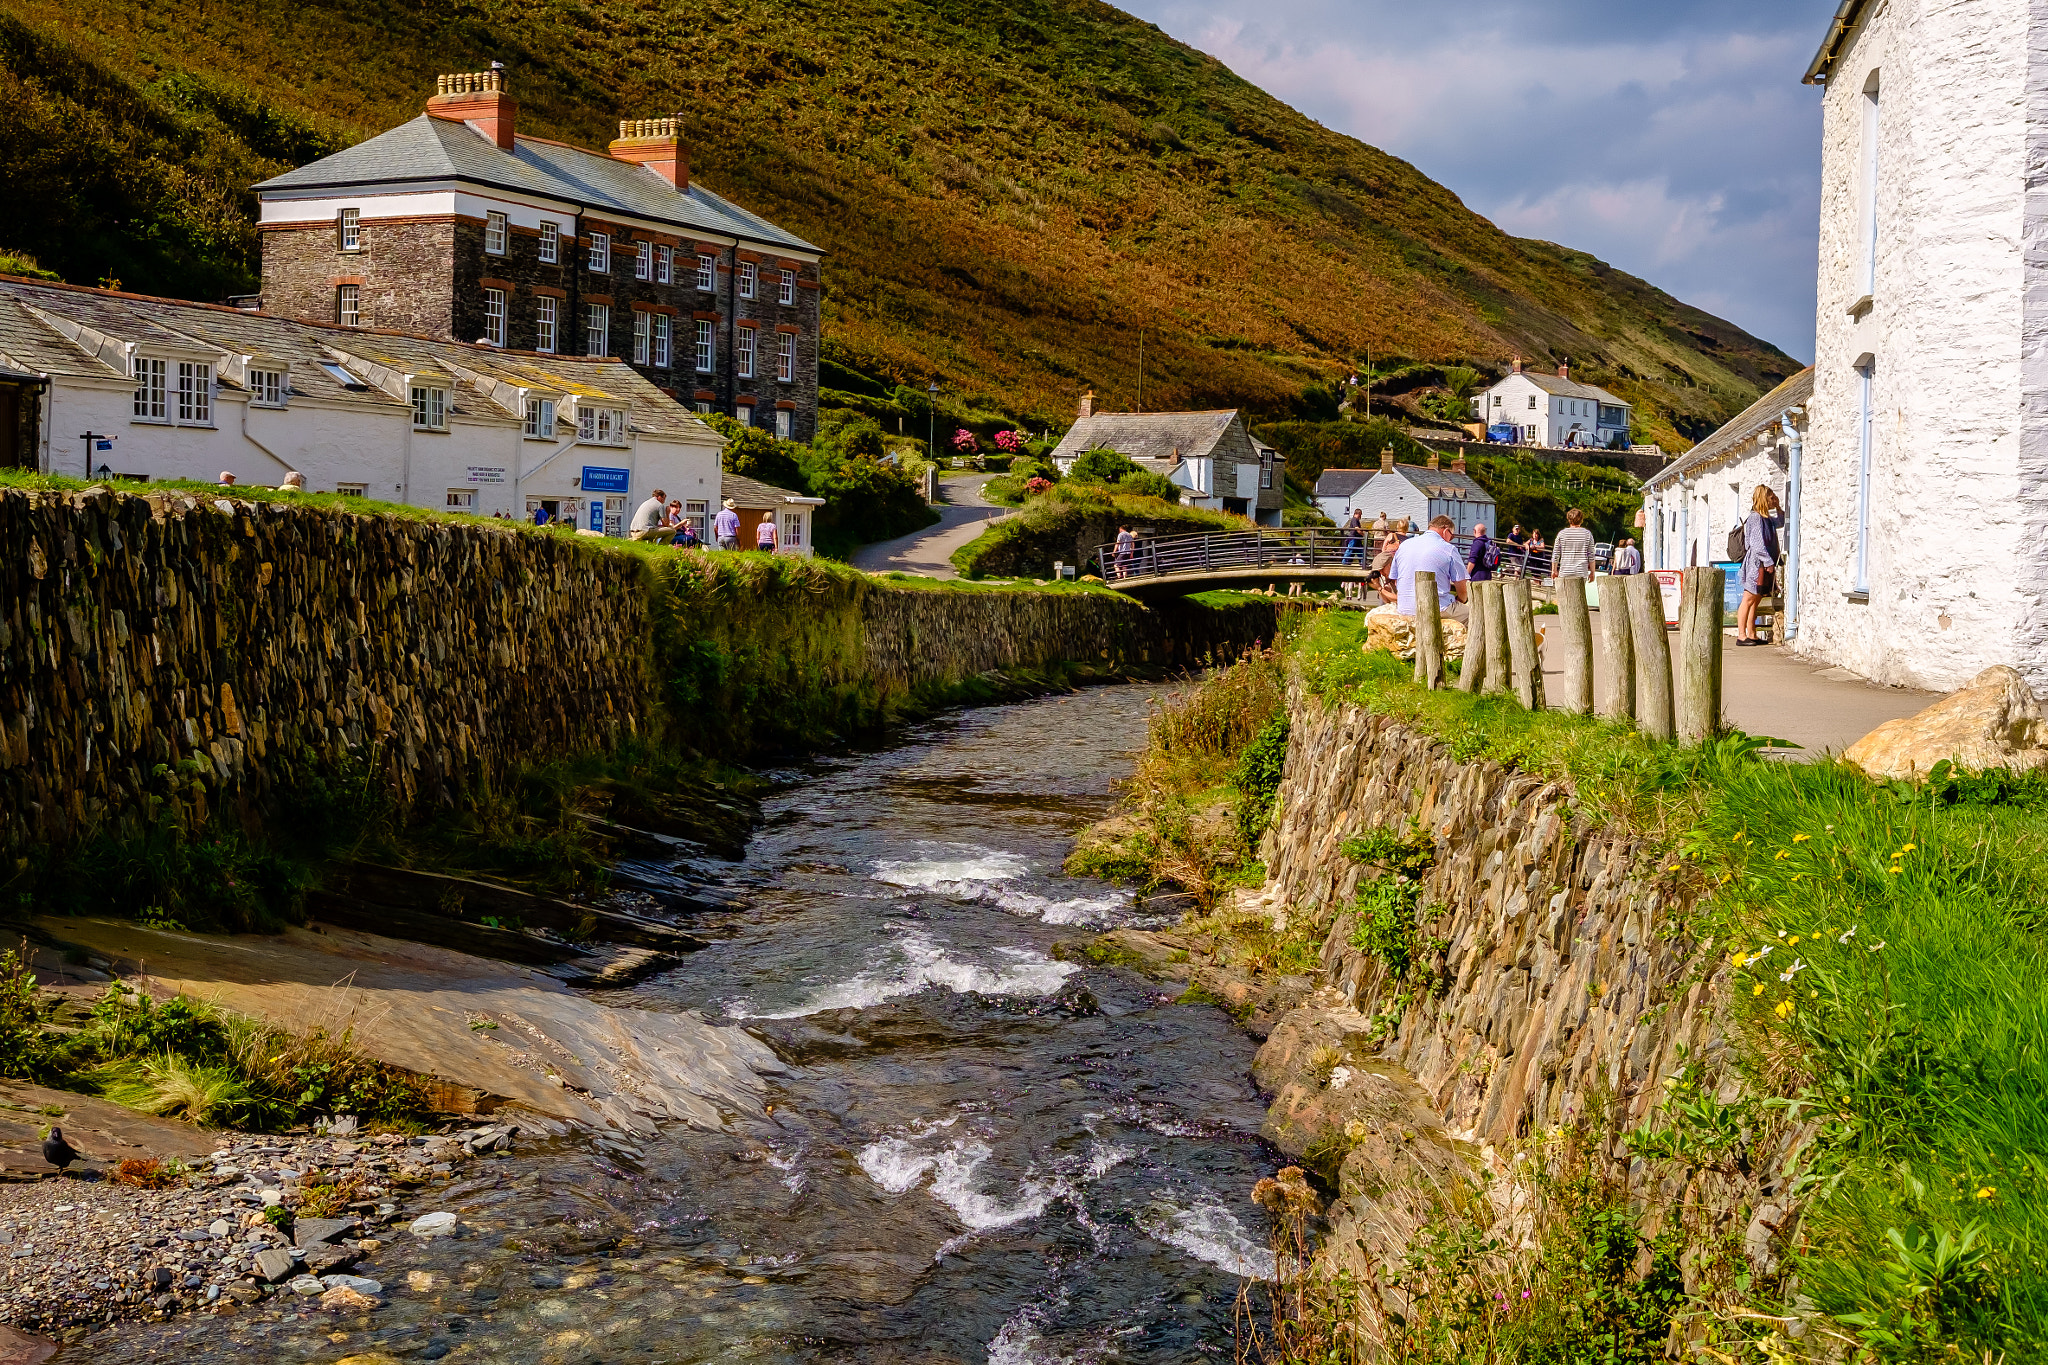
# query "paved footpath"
(963, 514)
(1769, 691)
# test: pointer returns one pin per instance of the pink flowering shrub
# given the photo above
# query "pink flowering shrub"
(1036, 485)
(1009, 442)
(964, 442)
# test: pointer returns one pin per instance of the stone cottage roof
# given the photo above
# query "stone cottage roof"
(75, 332)
(1795, 392)
(1559, 387)
(428, 149)
(755, 496)
(1151, 438)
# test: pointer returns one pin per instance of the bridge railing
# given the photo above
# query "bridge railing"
(1300, 547)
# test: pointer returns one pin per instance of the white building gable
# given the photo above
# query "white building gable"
(1555, 410)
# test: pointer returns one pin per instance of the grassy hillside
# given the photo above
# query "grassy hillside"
(1008, 195)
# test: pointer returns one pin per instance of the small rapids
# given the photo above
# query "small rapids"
(980, 1151)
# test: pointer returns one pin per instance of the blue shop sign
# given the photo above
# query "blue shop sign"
(597, 514)
(597, 479)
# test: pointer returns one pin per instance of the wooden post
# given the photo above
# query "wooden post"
(1701, 605)
(1575, 646)
(1429, 633)
(1653, 656)
(1617, 651)
(1496, 680)
(1525, 661)
(1472, 672)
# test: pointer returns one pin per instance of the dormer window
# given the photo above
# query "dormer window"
(429, 408)
(351, 229)
(267, 388)
(149, 390)
(601, 426)
(494, 233)
(540, 418)
(550, 243)
(179, 392)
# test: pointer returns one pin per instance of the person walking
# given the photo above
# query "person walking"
(1759, 562)
(1126, 550)
(648, 521)
(1484, 557)
(1354, 537)
(1628, 559)
(764, 535)
(1573, 557)
(725, 527)
(1434, 551)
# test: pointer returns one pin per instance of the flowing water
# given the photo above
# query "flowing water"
(980, 1152)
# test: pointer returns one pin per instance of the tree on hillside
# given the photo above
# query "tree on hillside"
(753, 453)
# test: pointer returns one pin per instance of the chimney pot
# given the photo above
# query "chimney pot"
(478, 98)
(1087, 408)
(1387, 460)
(1432, 459)
(1518, 364)
(657, 144)
(1458, 462)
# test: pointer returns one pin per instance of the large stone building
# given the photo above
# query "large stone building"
(1922, 536)
(456, 225)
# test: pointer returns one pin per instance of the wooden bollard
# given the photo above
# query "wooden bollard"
(1653, 657)
(1429, 633)
(1575, 646)
(1617, 651)
(1496, 608)
(1525, 660)
(1701, 605)
(1472, 672)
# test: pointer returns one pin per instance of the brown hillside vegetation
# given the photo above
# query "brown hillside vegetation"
(1008, 193)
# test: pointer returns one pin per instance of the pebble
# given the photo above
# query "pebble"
(81, 1254)
(434, 1225)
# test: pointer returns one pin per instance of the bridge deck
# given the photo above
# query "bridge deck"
(1170, 566)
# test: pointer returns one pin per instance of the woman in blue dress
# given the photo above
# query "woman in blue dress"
(1759, 561)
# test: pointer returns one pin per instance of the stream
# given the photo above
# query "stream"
(980, 1153)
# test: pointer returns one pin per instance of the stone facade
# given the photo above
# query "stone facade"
(1945, 104)
(401, 272)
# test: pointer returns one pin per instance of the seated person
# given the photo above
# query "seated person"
(1430, 552)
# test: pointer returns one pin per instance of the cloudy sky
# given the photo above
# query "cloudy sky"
(1672, 139)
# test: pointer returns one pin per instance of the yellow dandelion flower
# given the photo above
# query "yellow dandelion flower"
(1783, 854)
(1759, 989)
(1905, 850)
(1813, 994)
(1894, 871)
(1989, 1191)
(1784, 1010)
(1801, 838)
(1792, 942)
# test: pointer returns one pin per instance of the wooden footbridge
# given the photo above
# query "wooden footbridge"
(1175, 566)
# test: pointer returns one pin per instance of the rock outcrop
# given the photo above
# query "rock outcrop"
(1995, 721)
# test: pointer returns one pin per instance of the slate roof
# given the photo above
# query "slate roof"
(1148, 437)
(754, 495)
(428, 149)
(1567, 388)
(1795, 392)
(1436, 483)
(31, 342)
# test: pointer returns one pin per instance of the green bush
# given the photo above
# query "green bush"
(1146, 484)
(24, 1046)
(1257, 779)
(1102, 466)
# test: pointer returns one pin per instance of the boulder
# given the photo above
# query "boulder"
(1388, 629)
(273, 1265)
(1995, 721)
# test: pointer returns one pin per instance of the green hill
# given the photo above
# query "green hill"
(1009, 193)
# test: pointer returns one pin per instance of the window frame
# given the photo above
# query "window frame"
(643, 261)
(785, 424)
(429, 407)
(598, 259)
(1866, 439)
(546, 323)
(785, 357)
(707, 272)
(152, 399)
(664, 265)
(496, 227)
(496, 316)
(352, 490)
(1873, 125)
(643, 335)
(268, 388)
(348, 229)
(750, 280)
(348, 305)
(785, 289)
(195, 394)
(540, 419)
(706, 346)
(467, 501)
(664, 341)
(597, 329)
(601, 426)
(550, 242)
(749, 346)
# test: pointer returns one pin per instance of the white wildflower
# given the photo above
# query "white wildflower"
(1846, 937)
(1795, 969)
(1340, 1078)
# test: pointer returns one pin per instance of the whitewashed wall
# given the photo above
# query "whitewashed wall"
(1955, 536)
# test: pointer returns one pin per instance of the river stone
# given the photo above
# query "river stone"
(1994, 721)
(434, 1225)
(355, 1282)
(307, 1285)
(273, 1264)
(308, 1232)
(325, 1260)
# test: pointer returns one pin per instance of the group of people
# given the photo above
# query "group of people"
(1573, 556)
(661, 519)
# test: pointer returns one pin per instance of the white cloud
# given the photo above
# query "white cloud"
(1674, 141)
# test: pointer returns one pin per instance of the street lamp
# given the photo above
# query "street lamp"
(931, 433)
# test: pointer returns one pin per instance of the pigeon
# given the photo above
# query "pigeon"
(57, 1151)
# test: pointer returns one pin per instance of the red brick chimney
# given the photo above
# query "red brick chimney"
(1518, 364)
(655, 144)
(1458, 462)
(1087, 408)
(1564, 371)
(477, 98)
(1387, 460)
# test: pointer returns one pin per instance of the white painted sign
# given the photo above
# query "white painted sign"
(483, 473)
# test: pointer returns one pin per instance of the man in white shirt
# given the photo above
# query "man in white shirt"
(647, 522)
(1431, 552)
(1572, 555)
(725, 527)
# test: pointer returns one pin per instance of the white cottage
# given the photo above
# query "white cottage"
(160, 389)
(1923, 479)
(1211, 456)
(1421, 493)
(1555, 410)
(1692, 504)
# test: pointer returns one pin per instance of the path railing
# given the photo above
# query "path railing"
(1298, 547)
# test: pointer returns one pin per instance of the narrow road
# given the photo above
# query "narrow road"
(963, 515)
